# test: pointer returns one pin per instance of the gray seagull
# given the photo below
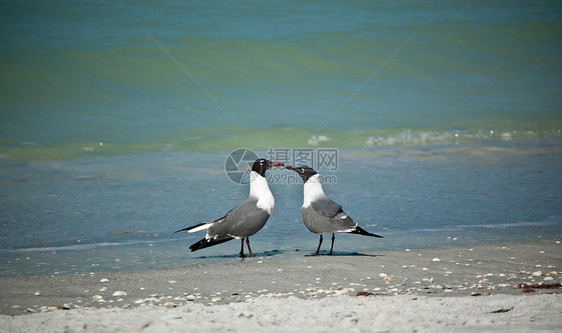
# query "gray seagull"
(244, 220)
(322, 215)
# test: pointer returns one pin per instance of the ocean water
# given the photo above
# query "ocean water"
(116, 121)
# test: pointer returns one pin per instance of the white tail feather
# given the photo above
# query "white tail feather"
(200, 228)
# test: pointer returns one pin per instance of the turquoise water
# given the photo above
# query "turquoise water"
(116, 120)
(112, 213)
(76, 74)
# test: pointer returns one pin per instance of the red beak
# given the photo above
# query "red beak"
(277, 164)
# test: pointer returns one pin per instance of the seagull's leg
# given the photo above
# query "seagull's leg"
(242, 248)
(333, 239)
(319, 244)
(250, 250)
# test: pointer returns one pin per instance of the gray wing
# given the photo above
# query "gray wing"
(243, 220)
(326, 207)
(326, 216)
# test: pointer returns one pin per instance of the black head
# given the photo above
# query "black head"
(303, 171)
(261, 165)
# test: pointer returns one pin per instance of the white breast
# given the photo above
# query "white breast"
(312, 191)
(260, 190)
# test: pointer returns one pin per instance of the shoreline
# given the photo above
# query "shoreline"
(459, 275)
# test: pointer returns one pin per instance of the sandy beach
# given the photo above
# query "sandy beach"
(501, 287)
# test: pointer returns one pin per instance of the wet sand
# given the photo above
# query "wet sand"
(510, 286)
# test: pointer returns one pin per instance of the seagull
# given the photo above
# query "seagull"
(244, 220)
(322, 215)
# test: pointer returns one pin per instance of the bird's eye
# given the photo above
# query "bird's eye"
(302, 170)
(262, 162)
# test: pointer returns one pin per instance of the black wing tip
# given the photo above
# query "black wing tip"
(206, 243)
(360, 231)
(197, 246)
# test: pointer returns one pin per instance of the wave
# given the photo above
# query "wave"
(228, 138)
(91, 246)
(550, 222)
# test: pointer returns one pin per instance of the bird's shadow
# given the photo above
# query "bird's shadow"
(345, 254)
(273, 253)
(237, 256)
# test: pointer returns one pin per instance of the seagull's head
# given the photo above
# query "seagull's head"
(304, 171)
(261, 165)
